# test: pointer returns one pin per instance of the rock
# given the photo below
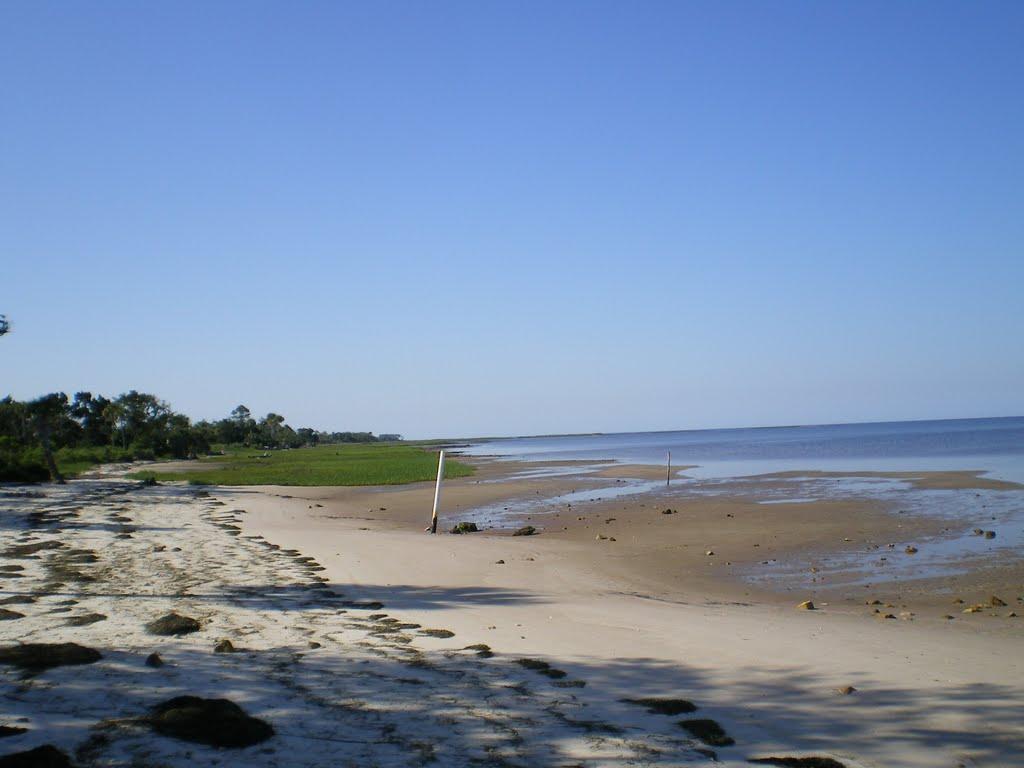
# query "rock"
(990, 534)
(974, 609)
(85, 619)
(499, 562)
(40, 656)
(806, 605)
(7, 615)
(172, 624)
(154, 660)
(465, 528)
(526, 530)
(846, 690)
(978, 532)
(668, 511)
(46, 756)
(708, 731)
(1011, 615)
(224, 646)
(600, 537)
(709, 553)
(995, 602)
(217, 722)
(911, 550)
(313, 645)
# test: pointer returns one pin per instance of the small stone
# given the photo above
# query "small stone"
(313, 645)
(526, 530)
(990, 534)
(846, 690)
(709, 553)
(499, 562)
(465, 528)
(224, 646)
(911, 550)
(154, 660)
(806, 605)
(995, 602)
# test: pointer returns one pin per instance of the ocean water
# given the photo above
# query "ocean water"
(995, 446)
(729, 461)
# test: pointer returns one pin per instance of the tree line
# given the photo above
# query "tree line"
(38, 436)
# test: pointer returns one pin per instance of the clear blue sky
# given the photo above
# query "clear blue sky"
(449, 219)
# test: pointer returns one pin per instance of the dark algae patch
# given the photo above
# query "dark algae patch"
(536, 665)
(664, 706)
(799, 762)
(46, 756)
(217, 722)
(40, 656)
(708, 731)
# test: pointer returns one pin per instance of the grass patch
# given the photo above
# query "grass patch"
(323, 465)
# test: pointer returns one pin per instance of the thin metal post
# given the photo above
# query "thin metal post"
(437, 492)
(668, 469)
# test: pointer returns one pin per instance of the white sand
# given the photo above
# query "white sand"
(928, 693)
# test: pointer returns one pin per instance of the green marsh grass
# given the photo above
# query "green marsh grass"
(346, 464)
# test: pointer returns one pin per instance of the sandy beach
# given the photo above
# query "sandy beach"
(363, 641)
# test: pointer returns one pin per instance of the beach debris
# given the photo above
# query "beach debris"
(974, 609)
(442, 633)
(708, 731)
(668, 511)
(46, 756)
(600, 537)
(172, 624)
(40, 656)
(224, 646)
(978, 532)
(542, 667)
(996, 602)
(910, 549)
(216, 722)
(709, 553)
(7, 615)
(464, 528)
(499, 562)
(25, 550)
(807, 605)
(154, 660)
(799, 762)
(990, 534)
(526, 530)
(664, 706)
(85, 619)
(846, 690)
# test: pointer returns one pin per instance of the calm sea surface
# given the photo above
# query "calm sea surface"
(995, 446)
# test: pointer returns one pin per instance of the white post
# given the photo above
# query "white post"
(437, 492)
(668, 470)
